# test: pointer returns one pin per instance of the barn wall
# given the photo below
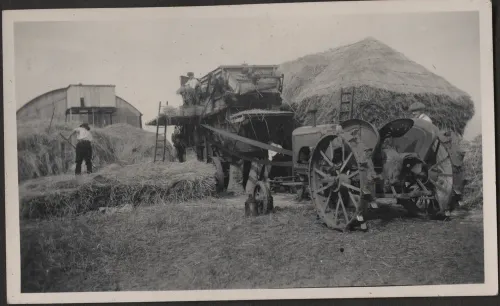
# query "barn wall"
(43, 106)
(126, 113)
(97, 96)
(97, 120)
(59, 100)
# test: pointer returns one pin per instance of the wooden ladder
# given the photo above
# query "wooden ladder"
(161, 137)
(345, 107)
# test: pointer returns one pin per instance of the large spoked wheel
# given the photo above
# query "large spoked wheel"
(336, 184)
(221, 176)
(441, 182)
(263, 198)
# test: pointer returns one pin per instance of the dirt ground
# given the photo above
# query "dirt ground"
(209, 244)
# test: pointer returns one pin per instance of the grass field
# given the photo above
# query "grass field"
(209, 244)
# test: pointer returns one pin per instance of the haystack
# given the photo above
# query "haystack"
(378, 74)
(473, 162)
(43, 152)
(138, 184)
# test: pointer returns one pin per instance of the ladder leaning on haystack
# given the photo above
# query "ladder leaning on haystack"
(346, 100)
(161, 136)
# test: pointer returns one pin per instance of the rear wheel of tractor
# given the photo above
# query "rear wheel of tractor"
(263, 198)
(336, 183)
(441, 182)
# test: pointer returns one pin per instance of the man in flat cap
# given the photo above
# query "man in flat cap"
(417, 110)
(192, 82)
(194, 87)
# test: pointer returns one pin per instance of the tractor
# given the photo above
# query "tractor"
(353, 168)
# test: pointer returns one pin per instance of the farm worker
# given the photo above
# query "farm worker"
(83, 148)
(194, 87)
(178, 143)
(417, 109)
(192, 82)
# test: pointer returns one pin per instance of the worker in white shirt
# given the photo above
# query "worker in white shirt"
(192, 82)
(193, 86)
(417, 110)
(83, 148)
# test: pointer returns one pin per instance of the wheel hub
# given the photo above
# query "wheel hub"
(341, 179)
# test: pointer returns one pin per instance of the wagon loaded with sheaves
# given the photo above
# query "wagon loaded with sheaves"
(350, 169)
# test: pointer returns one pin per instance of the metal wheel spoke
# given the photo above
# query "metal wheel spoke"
(337, 210)
(422, 185)
(321, 172)
(327, 202)
(328, 179)
(324, 188)
(346, 161)
(343, 151)
(439, 162)
(353, 199)
(326, 158)
(351, 187)
(353, 174)
(343, 209)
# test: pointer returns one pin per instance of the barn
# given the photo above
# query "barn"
(97, 105)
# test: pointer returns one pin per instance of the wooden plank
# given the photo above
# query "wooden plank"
(249, 141)
(258, 161)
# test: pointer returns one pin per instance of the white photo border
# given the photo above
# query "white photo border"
(483, 7)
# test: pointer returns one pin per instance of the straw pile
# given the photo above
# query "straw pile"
(42, 152)
(378, 74)
(473, 162)
(138, 184)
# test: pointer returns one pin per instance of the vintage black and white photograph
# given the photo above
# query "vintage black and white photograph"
(333, 150)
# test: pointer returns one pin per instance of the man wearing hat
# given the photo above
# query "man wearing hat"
(192, 82)
(83, 148)
(193, 86)
(417, 110)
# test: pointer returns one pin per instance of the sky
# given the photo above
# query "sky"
(144, 59)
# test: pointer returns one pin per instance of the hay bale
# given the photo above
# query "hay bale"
(378, 75)
(138, 184)
(42, 152)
